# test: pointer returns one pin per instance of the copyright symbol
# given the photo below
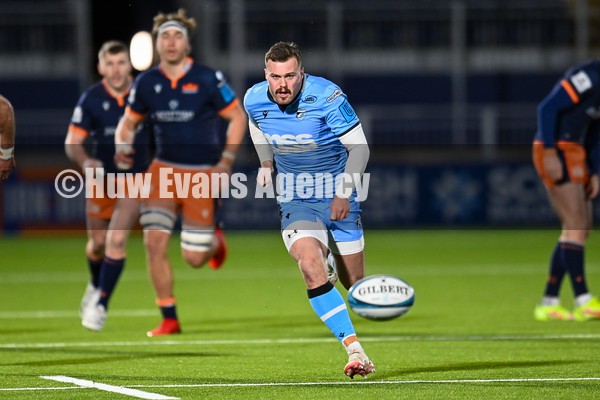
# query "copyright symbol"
(68, 183)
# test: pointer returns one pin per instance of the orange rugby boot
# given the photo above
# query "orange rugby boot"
(168, 326)
(219, 258)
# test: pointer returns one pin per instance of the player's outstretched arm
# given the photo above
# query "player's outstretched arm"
(7, 138)
(358, 156)
(235, 135)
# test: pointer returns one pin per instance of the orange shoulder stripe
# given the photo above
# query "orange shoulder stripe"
(78, 130)
(229, 107)
(136, 116)
(570, 91)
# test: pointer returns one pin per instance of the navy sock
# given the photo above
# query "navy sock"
(168, 307)
(169, 311)
(94, 266)
(573, 259)
(329, 305)
(109, 276)
(556, 274)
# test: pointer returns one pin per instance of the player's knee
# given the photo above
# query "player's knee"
(311, 261)
(578, 236)
(194, 259)
(95, 246)
(196, 245)
(116, 240)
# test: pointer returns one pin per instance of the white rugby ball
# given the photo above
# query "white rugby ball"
(381, 297)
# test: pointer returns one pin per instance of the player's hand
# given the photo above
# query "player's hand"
(264, 177)
(340, 208)
(552, 165)
(222, 167)
(91, 163)
(593, 187)
(124, 156)
(7, 167)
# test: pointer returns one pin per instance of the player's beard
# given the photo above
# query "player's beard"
(283, 96)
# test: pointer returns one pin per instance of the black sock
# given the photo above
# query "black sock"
(94, 266)
(573, 259)
(556, 274)
(169, 311)
(109, 276)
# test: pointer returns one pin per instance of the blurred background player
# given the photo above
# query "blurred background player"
(108, 220)
(185, 101)
(322, 135)
(7, 138)
(566, 154)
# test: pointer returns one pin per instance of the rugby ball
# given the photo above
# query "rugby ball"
(381, 297)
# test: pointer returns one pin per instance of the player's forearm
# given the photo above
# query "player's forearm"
(235, 136)
(358, 156)
(358, 151)
(125, 133)
(76, 153)
(263, 148)
(7, 124)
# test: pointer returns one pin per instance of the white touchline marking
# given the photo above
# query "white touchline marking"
(71, 314)
(479, 338)
(267, 384)
(371, 382)
(107, 388)
(26, 389)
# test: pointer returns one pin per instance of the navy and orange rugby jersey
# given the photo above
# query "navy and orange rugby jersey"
(184, 113)
(97, 114)
(572, 105)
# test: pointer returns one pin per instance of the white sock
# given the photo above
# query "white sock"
(354, 347)
(582, 299)
(550, 301)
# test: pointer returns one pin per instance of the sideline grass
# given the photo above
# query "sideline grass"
(249, 332)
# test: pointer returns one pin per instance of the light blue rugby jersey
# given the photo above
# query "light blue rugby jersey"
(304, 135)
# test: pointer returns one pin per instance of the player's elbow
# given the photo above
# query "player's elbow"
(6, 109)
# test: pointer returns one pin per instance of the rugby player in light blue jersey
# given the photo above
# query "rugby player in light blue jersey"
(304, 127)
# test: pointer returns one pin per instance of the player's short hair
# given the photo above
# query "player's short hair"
(112, 47)
(283, 51)
(180, 16)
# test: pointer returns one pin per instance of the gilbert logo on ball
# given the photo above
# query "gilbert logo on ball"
(381, 297)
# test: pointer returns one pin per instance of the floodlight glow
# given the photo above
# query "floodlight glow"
(141, 50)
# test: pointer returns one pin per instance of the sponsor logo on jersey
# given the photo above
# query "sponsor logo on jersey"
(189, 88)
(288, 143)
(158, 88)
(265, 113)
(131, 98)
(173, 104)
(174, 116)
(77, 115)
(221, 78)
(347, 111)
(310, 99)
(593, 112)
(300, 114)
(581, 81)
(110, 130)
(105, 105)
(334, 96)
